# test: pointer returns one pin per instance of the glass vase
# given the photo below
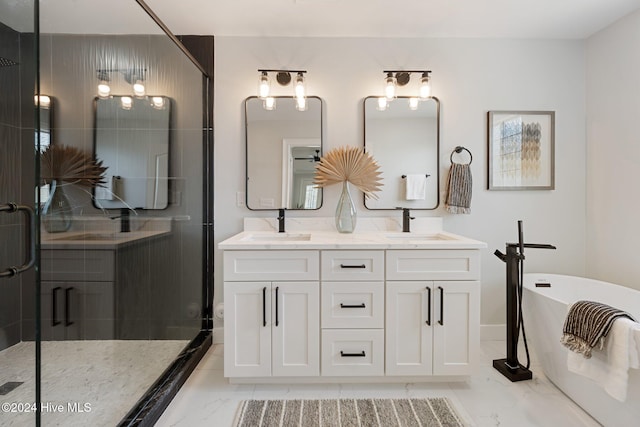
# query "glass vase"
(346, 211)
(56, 214)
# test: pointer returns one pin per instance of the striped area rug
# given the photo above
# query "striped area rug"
(348, 412)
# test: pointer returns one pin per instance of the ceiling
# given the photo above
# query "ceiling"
(549, 19)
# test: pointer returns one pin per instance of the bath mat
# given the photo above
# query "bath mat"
(429, 412)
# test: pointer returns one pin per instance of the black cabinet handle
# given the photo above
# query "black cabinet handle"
(277, 322)
(428, 306)
(67, 310)
(264, 306)
(361, 354)
(352, 266)
(54, 306)
(352, 305)
(441, 321)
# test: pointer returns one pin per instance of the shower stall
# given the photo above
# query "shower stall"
(105, 212)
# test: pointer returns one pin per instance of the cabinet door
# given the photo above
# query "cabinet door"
(97, 310)
(295, 326)
(52, 309)
(409, 328)
(247, 329)
(456, 339)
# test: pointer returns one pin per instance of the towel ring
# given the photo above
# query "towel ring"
(459, 149)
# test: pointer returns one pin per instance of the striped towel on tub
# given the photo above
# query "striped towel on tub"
(587, 325)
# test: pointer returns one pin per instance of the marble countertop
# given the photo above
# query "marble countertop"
(97, 239)
(371, 233)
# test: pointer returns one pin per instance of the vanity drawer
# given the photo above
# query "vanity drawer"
(433, 265)
(271, 265)
(77, 265)
(352, 265)
(352, 352)
(352, 304)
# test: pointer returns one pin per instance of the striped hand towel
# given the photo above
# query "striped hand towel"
(587, 325)
(459, 189)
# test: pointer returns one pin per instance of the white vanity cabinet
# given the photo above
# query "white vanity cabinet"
(330, 308)
(272, 326)
(432, 327)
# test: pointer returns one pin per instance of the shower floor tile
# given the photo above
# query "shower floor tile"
(83, 382)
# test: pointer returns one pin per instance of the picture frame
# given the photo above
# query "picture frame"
(521, 150)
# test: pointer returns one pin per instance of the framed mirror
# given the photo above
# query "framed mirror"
(283, 146)
(405, 141)
(132, 141)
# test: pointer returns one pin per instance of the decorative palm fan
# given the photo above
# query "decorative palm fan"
(69, 164)
(350, 164)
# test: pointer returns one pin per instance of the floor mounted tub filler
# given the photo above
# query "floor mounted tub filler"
(545, 309)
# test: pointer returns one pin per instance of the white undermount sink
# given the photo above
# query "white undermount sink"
(411, 237)
(277, 237)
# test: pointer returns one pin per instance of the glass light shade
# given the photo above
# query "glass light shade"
(269, 103)
(299, 86)
(390, 87)
(413, 103)
(43, 101)
(264, 85)
(138, 88)
(126, 102)
(425, 87)
(301, 104)
(104, 90)
(158, 102)
(382, 104)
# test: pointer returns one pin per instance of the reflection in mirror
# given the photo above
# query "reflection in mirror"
(132, 141)
(45, 107)
(405, 143)
(283, 147)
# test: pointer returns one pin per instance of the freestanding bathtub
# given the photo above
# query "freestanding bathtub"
(544, 311)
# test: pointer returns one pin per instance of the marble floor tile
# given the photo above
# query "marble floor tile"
(485, 399)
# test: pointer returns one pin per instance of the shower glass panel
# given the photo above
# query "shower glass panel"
(120, 290)
(17, 291)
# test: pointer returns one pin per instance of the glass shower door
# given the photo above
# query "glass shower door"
(18, 379)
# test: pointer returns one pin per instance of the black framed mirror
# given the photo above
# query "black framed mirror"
(403, 136)
(283, 145)
(132, 140)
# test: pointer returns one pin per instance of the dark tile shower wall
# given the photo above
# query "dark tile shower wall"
(16, 177)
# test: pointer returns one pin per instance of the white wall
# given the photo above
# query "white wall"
(613, 153)
(470, 77)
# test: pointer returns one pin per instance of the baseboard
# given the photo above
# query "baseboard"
(218, 335)
(493, 332)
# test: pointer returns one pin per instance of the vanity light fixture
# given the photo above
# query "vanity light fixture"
(126, 102)
(157, 102)
(413, 103)
(269, 103)
(283, 77)
(42, 101)
(395, 78)
(382, 104)
(104, 90)
(139, 89)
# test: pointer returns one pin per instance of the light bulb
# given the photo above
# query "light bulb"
(425, 86)
(263, 85)
(126, 102)
(158, 102)
(104, 90)
(390, 86)
(382, 104)
(43, 101)
(269, 103)
(138, 89)
(301, 104)
(413, 103)
(299, 86)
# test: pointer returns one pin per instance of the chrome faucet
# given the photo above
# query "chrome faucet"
(280, 220)
(406, 220)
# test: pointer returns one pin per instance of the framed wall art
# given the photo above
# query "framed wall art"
(521, 150)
